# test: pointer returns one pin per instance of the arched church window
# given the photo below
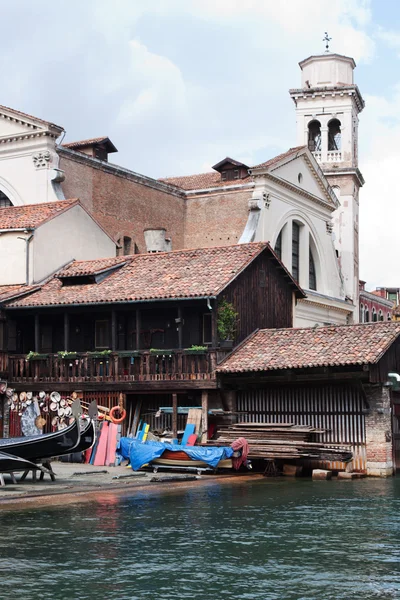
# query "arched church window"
(366, 315)
(312, 277)
(380, 316)
(389, 318)
(334, 135)
(278, 246)
(374, 315)
(362, 313)
(4, 201)
(314, 136)
(295, 250)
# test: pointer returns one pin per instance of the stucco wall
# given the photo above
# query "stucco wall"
(13, 261)
(71, 235)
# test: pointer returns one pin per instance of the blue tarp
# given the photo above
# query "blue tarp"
(140, 453)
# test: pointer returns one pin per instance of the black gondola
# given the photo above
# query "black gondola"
(34, 447)
(9, 463)
(87, 439)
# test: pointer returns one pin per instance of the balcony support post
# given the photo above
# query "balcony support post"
(174, 416)
(180, 328)
(66, 332)
(138, 325)
(204, 416)
(214, 329)
(37, 333)
(113, 330)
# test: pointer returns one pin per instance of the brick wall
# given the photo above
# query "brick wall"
(216, 219)
(124, 206)
(378, 431)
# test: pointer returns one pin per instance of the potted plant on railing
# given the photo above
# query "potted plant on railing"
(36, 356)
(67, 355)
(161, 352)
(227, 319)
(128, 353)
(196, 349)
(99, 353)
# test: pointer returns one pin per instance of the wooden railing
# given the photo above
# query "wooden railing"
(3, 362)
(118, 367)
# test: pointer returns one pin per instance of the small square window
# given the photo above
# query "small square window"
(223, 175)
(236, 174)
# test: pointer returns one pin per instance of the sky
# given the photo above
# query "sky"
(178, 85)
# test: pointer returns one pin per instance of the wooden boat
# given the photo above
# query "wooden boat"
(34, 447)
(87, 438)
(181, 459)
(9, 463)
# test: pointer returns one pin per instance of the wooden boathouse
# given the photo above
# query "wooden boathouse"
(336, 378)
(146, 326)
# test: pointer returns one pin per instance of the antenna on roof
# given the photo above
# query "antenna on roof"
(326, 39)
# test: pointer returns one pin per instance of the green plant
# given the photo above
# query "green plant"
(195, 348)
(66, 354)
(161, 351)
(227, 319)
(35, 355)
(101, 353)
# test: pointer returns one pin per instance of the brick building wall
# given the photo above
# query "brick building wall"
(124, 203)
(378, 431)
(216, 219)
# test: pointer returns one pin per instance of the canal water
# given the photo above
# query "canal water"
(271, 539)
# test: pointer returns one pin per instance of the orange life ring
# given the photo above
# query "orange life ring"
(122, 412)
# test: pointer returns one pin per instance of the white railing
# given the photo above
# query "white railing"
(334, 156)
(317, 156)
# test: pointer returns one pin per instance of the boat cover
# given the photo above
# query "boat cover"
(141, 453)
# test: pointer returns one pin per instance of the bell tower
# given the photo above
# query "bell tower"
(327, 108)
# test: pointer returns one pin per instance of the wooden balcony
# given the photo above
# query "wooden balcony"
(129, 370)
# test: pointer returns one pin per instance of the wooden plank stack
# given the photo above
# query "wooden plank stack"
(282, 441)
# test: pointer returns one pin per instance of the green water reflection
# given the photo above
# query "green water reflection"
(273, 539)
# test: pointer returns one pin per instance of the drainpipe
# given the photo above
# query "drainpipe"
(26, 240)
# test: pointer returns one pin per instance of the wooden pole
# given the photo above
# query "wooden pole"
(113, 330)
(180, 328)
(138, 325)
(66, 332)
(174, 416)
(37, 334)
(204, 416)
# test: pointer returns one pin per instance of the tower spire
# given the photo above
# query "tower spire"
(326, 39)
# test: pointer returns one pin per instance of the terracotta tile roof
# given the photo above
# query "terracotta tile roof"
(30, 216)
(80, 268)
(91, 142)
(181, 274)
(213, 179)
(11, 291)
(277, 159)
(203, 181)
(26, 116)
(276, 349)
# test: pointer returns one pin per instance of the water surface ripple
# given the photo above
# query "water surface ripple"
(268, 540)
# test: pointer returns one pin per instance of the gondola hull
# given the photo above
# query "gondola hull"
(37, 447)
(87, 438)
(10, 463)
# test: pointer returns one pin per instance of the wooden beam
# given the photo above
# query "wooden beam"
(204, 416)
(214, 331)
(37, 333)
(113, 330)
(138, 326)
(180, 328)
(66, 331)
(174, 416)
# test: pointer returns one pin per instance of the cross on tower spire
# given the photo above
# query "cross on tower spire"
(327, 40)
